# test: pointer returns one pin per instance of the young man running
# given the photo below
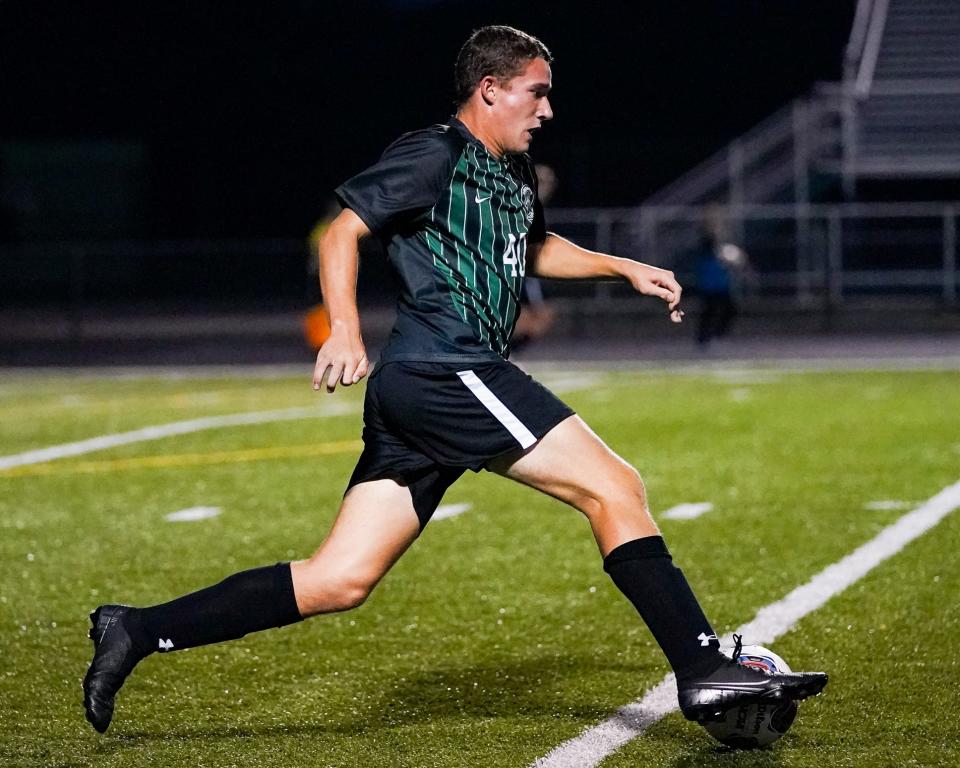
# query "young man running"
(457, 204)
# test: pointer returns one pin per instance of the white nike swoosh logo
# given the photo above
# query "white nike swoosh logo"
(482, 199)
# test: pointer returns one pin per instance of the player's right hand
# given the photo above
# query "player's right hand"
(342, 358)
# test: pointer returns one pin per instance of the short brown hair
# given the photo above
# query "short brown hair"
(498, 51)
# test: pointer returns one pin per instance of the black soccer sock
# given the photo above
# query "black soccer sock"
(644, 571)
(246, 602)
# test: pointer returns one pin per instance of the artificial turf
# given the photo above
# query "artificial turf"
(498, 635)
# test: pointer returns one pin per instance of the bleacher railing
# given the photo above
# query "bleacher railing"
(802, 255)
(805, 255)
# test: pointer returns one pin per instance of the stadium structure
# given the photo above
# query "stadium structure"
(843, 197)
(845, 200)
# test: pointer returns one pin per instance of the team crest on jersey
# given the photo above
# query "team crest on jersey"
(526, 199)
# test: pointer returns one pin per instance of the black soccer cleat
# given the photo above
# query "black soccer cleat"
(114, 657)
(731, 684)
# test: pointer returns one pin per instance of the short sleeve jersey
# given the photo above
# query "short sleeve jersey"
(456, 221)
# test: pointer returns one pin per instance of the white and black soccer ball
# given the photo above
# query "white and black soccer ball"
(758, 723)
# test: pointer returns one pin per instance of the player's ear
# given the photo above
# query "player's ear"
(488, 89)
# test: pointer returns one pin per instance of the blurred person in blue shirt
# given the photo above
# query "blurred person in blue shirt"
(718, 264)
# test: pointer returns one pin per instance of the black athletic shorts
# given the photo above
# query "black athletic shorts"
(425, 424)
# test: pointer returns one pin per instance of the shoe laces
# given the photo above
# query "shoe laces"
(737, 648)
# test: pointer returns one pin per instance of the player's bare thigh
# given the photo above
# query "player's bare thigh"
(374, 527)
(572, 464)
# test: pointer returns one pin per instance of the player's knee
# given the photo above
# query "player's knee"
(618, 491)
(350, 594)
(336, 596)
(326, 590)
(633, 486)
(627, 492)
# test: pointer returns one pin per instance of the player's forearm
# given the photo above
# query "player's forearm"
(339, 255)
(560, 259)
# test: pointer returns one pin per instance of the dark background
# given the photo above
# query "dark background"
(216, 119)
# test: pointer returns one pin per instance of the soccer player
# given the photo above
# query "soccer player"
(457, 204)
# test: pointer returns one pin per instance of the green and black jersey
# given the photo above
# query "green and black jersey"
(457, 222)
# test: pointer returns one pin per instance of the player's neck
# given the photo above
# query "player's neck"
(475, 124)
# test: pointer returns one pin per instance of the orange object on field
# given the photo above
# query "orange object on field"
(316, 327)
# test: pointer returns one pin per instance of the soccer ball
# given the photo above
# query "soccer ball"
(757, 723)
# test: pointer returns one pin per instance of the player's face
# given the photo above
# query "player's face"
(522, 106)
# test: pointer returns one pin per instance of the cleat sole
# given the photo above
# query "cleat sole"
(713, 710)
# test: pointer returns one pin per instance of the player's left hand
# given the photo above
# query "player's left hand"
(653, 281)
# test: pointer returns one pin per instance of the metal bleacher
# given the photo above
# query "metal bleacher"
(905, 84)
(796, 192)
(896, 113)
(790, 188)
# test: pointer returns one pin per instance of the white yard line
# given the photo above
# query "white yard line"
(451, 510)
(885, 504)
(561, 382)
(166, 372)
(689, 511)
(649, 363)
(738, 376)
(160, 431)
(192, 514)
(596, 743)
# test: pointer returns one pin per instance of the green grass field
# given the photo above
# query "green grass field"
(498, 636)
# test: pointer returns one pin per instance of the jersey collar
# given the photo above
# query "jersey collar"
(462, 129)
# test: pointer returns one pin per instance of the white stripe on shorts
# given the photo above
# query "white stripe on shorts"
(500, 412)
